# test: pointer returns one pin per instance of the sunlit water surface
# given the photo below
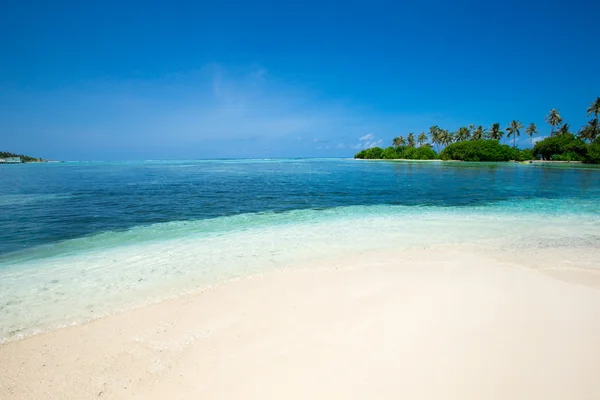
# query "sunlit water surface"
(80, 240)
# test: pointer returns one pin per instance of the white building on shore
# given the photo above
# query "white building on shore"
(11, 160)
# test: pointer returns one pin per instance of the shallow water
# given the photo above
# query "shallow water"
(83, 239)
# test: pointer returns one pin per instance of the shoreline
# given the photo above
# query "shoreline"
(93, 281)
(457, 319)
(461, 161)
(557, 162)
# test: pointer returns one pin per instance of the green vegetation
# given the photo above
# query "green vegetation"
(563, 147)
(401, 152)
(483, 150)
(479, 144)
(24, 158)
(593, 154)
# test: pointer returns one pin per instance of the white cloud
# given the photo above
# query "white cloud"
(537, 139)
(365, 144)
(368, 136)
(373, 143)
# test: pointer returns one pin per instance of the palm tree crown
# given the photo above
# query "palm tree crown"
(564, 129)
(463, 133)
(411, 140)
(590, 131)
(422, 139)
(594, 108)
(479, 133)
(434, 134)
(514, 130)
(445, 137)
(495, 132)
(531, 130)
(554, 119)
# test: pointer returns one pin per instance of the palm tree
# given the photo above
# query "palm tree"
(445, 137)
(531, 130)
(594, 109)
(495, 132)
(585, 133)
(513, 130)
(434, 134)
(563, 129)
(471, 129)
(594, 127)
(411, 140)
(449, 137)
(396, 141)
(422, 139)
(554, 119)
(462, 134)
(478, 133)
(590, 131)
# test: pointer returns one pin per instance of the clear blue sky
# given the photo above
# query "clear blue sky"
(143, 80)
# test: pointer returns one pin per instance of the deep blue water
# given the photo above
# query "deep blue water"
(42, 204)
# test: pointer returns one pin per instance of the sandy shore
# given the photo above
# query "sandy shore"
(418, 324)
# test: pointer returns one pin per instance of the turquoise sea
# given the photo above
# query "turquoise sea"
(79, 240)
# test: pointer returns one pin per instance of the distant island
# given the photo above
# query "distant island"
(12, 158)
(470, 143)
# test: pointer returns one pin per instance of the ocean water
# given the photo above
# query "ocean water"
(81, 240)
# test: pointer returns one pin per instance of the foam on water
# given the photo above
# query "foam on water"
(84, 278)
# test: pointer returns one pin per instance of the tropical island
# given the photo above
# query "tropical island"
(12, 158)
(470, 143)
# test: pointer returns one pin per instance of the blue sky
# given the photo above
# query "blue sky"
(146, 80)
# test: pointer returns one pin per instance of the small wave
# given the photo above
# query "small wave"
(19, 199)
(502, 211)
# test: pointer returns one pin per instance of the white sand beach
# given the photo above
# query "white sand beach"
(418, 324)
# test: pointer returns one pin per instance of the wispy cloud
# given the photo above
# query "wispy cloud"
(196, 114)
(364, 142)
(368, 144)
